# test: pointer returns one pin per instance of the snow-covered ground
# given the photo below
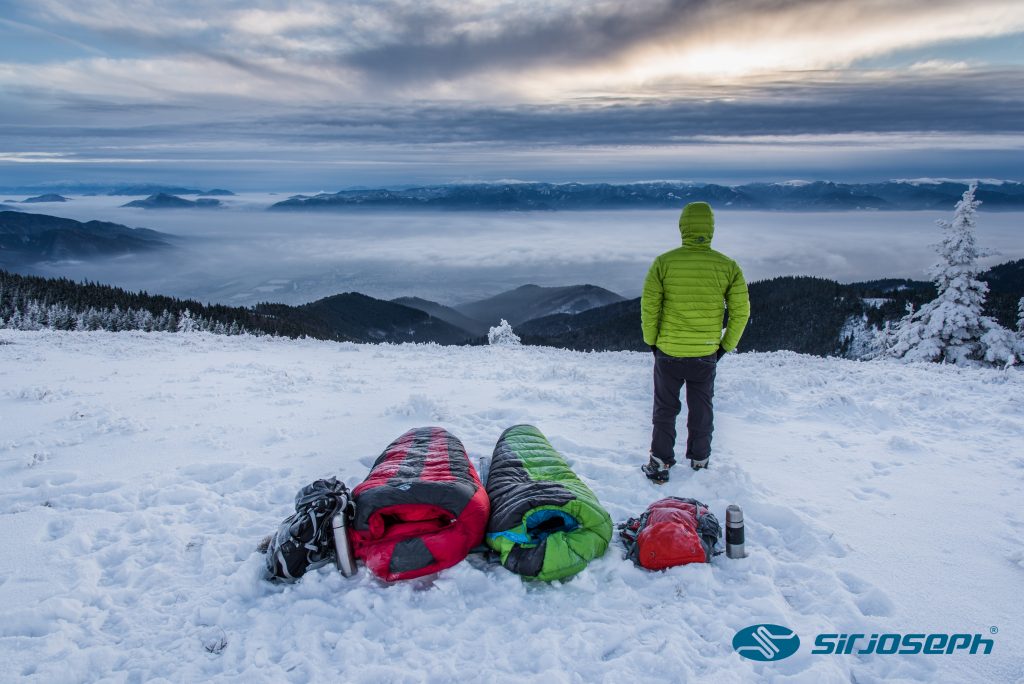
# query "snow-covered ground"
(139, 471)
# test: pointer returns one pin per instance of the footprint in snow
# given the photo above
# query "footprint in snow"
(59, 528)
(880, 469)
(210, 473)
(38, 458)
(870, 600)
(870, 494)
(54, 479)
(903, 444)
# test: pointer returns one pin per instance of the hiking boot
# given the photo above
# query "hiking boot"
(700, 465)
(656, 470)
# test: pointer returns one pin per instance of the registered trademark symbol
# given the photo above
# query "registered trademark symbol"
(993, 630)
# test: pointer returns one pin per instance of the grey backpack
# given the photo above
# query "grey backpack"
(304, 541)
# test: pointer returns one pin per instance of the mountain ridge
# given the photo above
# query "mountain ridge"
(892, 195)
(163, 200)
(29, 237)
(532, 301)
(804, 314)
(797, 313)
(445, 313)
(46, 197)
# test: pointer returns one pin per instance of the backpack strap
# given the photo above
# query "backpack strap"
(629, 532)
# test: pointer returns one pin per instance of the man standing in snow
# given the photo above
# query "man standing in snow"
(682, 311)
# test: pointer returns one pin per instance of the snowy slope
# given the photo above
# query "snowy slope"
(138, 471)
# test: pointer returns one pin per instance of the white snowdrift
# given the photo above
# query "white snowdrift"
(140, 470)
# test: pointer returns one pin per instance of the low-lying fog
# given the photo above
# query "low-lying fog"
(241, 254)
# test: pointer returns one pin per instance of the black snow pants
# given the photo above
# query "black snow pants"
(671, 373)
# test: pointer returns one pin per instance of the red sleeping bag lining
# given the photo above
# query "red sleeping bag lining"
(421, 509)
(671, 532)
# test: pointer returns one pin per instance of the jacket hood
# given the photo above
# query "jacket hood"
(697, 225)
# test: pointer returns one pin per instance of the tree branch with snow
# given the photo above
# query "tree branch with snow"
(952, 328)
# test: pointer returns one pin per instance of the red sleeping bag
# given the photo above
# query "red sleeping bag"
(672, 531)
(421, 508)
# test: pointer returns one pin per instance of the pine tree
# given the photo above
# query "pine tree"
(1020, 329)
(33, 317)
(502, 334)
(952, 328)
(185, 322)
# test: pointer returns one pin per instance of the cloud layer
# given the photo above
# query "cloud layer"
(242, 254)
(160, 82)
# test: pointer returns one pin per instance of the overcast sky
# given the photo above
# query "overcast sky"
(310, 95)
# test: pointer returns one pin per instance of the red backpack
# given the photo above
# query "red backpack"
(672, 531)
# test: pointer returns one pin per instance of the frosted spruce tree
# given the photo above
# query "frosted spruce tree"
(502, 334)
(186, 324)
(1020, 328)
(952, 328)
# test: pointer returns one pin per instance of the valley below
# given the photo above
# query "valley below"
(241, 254)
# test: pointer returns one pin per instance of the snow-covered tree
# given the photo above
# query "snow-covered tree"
(951, 328)
(59, 317)
(502, 334)
(1020, 328)
(185, 322)
(34, 316)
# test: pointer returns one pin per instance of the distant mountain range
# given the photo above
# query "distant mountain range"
(798, 313)
(516, 306)
(802, 314)
(792, 196)
(74, 188)
(532, 301)
(163, 200)
(27, 238)
(355, 316)
(48, 197)
(445, 313)
(167, 190)
(349, 316)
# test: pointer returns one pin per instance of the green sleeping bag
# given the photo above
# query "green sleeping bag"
(545, 522)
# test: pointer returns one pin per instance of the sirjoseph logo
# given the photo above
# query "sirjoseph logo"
(766, 642)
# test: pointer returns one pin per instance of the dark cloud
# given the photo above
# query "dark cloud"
(272, 100)
(988, 102)
(579, 37)
(428, 42)
(981, 103)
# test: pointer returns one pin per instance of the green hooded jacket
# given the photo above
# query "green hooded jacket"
(687, 289)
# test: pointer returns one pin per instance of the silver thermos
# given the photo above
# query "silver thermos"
(734, 547)
(343, 555)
